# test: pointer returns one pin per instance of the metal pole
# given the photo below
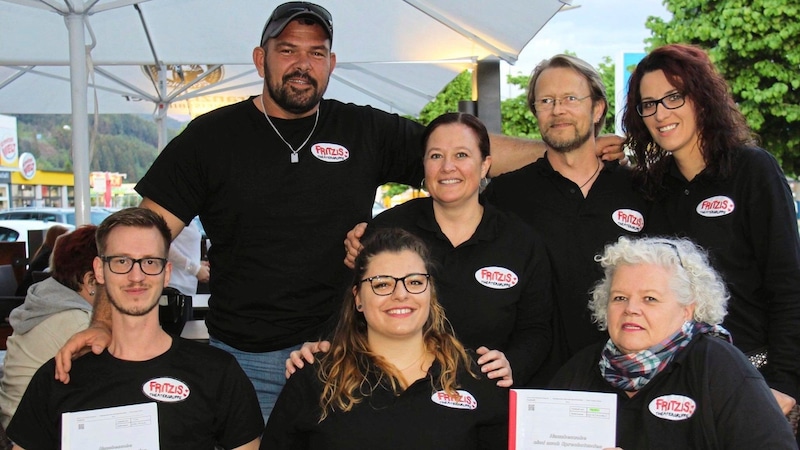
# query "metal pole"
(80, 115)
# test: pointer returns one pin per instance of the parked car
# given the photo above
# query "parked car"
(52, 214)
(12, 230)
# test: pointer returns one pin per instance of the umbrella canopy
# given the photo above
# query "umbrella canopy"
(182, 57)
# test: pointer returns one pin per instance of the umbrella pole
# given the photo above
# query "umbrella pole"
(80, 116)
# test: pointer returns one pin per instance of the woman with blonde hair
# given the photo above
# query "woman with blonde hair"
(393, 366)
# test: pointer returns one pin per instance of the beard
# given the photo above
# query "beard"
(290, 99)
(566, 145)
(135, 312)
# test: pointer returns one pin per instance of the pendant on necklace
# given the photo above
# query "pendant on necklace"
(294, 158)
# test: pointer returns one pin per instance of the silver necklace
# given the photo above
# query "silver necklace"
(599, 164)
(294, 158)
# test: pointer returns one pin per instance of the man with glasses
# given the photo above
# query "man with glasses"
(577, 203)
(202, 396)
(277, 181)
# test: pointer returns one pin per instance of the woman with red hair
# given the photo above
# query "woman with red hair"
(698, 160)
(54, 310)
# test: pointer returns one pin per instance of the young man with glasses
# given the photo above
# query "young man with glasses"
(577, 203)
(202, 396)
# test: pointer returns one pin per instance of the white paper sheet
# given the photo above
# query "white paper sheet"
(123, 427)
(548, 419)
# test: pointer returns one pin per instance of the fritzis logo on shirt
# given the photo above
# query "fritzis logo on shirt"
(496, 277)
(716, 206)
(463, 400)
(628, 219)
(332, 153)
(673, 407)
(165, 389)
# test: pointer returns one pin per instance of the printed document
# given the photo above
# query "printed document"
(123, 427)
(547, 420)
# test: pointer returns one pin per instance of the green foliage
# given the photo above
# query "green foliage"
(517, 117)
(124, 143)
(447, 100)
(606, 69)
(756, 46)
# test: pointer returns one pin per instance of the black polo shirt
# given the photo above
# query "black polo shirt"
(574, 229)
(709, 397)
(495, 287)
(422, 417)
(747, 222)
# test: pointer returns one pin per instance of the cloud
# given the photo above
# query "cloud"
(594, 30)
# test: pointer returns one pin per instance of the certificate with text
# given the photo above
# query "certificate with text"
(548, 419)
(121, 427)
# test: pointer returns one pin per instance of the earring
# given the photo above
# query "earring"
(483, 184)
(359, 307)
(91, 293)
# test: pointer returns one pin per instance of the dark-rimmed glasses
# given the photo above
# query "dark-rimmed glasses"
(670, 101)
(674, 247)
(415, 283)
(123, 264)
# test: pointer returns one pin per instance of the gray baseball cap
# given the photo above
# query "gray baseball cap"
(287, 12)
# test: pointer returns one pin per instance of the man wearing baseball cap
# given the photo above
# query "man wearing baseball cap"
(277, 181)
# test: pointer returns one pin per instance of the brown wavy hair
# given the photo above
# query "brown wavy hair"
(350, 371)
(722, 127)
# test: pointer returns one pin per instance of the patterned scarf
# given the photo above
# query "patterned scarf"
(633, 371)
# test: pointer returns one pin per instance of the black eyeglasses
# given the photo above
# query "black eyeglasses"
(122, 264)
(287, 11)
(670, 101)
(415, 283)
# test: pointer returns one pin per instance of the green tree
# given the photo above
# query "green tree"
(756, 46)
(606, 69)
(447, 100)
(517, 117)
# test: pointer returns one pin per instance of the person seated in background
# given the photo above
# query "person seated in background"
(54, 310)
(679, 381)
(395, 376)
(187, 267)
(217, 405)
(41, 259)
(492, 269)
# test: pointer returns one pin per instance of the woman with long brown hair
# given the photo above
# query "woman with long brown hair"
(395, 376)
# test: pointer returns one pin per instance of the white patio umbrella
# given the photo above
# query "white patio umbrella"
(392, 54)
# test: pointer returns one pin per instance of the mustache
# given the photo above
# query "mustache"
(302, 75)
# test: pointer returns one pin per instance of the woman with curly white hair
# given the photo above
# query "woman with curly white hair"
(679, 381)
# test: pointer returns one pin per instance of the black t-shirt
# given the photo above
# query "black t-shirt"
(276, 228)
(209, 400)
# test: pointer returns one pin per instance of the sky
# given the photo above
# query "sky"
(595, 29)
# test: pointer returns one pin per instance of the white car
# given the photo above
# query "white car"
(17, 230)
(52, 214)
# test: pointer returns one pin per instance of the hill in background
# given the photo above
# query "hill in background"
(123, 143)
